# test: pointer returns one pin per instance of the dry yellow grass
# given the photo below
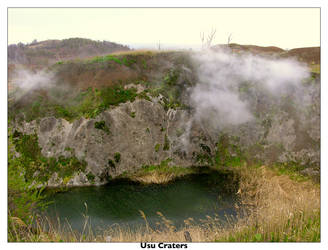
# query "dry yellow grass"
(155, 177)
(281, 209)
(315, 68)
(159, 174)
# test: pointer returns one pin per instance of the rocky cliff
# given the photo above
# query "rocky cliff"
(89, 134)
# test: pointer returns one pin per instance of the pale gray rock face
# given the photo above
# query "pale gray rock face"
(139, 140)
(138, 131)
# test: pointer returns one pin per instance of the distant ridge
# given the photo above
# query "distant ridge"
(50, 51)
(310, 55)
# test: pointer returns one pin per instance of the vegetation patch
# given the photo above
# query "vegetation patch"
(170, 89)
(39, 168)
(166, 146)
(27, 145)
(102, 126)
(119, 59)
(133, 114)
(144, 95)
(228, 153)
(117, 157)
(91, 177)
(157, 147)
(116, 95)
(293, 170)
(171, 77)
(69, 149)
(23, 199)
(111, 163)
(70, 106)
(204, 157)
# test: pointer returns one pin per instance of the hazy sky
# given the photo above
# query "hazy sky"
(282, 27)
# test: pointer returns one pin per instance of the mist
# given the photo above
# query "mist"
(27, 85)
(217, 99)
(27, 80)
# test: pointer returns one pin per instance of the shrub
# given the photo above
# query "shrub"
(27, 145)
(111, 163)
(102, 126)
(143, 95)
(166, 143)
(157, 147)
(117, 157)
(171, 77)
(116, 95)
(91, 177)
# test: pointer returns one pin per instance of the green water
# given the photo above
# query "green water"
(119, 202)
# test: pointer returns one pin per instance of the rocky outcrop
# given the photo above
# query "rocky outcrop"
(141, 133)
(284, 126)
(125, 138)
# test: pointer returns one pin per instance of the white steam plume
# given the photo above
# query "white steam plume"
(27, 80)
(216, 97)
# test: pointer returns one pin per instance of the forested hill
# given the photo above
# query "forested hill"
(47, 52)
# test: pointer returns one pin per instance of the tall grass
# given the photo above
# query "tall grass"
(281, 209)
(278, 209)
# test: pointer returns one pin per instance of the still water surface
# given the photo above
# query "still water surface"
(119, 202)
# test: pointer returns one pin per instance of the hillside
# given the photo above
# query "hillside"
(309, 55)
(40, 54)
(150, 107)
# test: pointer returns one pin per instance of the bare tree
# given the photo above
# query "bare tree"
(209, 39)
(202, 38)
(229, 38)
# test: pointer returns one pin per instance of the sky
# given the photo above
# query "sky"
(176, 27)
